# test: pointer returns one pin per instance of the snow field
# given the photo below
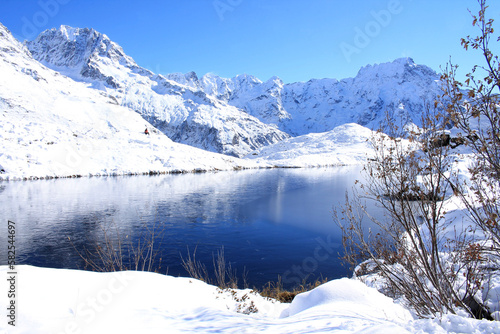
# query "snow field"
(72, 301)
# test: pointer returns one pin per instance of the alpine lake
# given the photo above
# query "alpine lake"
(270, 223)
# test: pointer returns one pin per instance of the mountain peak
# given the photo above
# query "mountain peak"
(398, 68)
(81, 53)
(246, 79)
(71, 33)
(275, 80)
(405, 61)
(75, 47)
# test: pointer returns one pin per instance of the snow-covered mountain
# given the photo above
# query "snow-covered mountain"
(347, 144)
(235, 116)
(183, 112)
(52, 126)
(401, 88)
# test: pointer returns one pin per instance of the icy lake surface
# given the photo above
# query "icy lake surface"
(270, 222)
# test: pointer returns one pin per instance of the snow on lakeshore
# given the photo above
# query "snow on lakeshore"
(347, 144)
(73, 301)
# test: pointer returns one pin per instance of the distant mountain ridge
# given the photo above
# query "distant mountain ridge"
(235, 116)
(400, 87)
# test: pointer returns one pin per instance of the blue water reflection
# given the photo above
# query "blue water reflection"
(270, 222)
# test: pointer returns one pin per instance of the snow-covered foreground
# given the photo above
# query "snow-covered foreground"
(72, 301)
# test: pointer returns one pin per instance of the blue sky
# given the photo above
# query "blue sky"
(296, 40)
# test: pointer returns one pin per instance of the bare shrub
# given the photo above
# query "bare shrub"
(110, 250)
(475, 112)
(224, 276)
(436, 264)
(407, 179)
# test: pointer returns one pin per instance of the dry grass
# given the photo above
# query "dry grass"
(225, 277)
(276, 291)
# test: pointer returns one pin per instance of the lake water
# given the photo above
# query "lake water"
(271, 223)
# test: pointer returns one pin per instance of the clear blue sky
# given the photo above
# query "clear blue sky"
(296, 40)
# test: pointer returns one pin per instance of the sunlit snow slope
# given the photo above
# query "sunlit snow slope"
(347, 144)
